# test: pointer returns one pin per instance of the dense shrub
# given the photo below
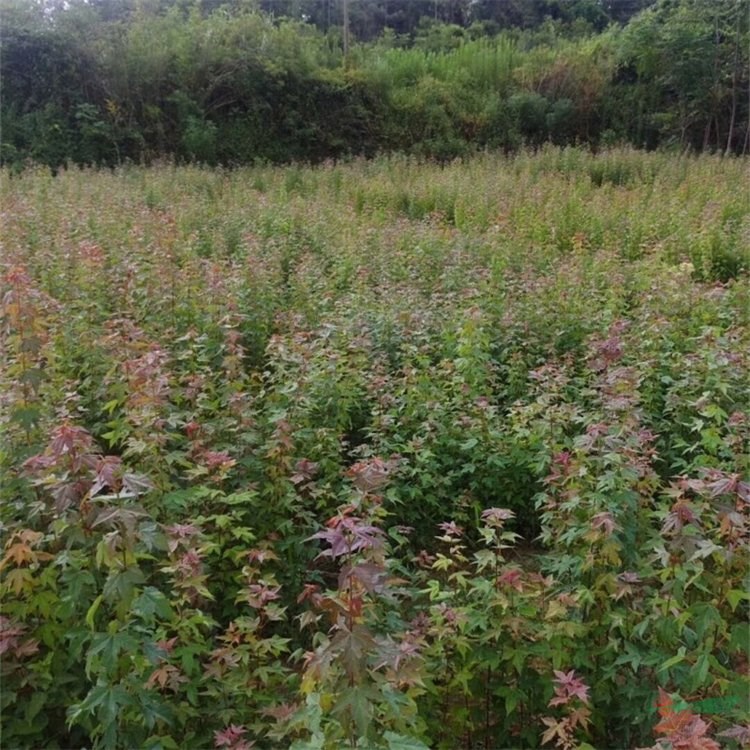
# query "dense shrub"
(389, 454)
(107, 83)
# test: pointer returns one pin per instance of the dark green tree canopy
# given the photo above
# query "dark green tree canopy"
(101, 81)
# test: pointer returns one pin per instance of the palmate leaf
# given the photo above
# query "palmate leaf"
(682, 728)
(347, 535)
(113, 515)
(104, 700)
(353, 648)
(371, 576)
(357, 703)
(557, 729)
(120, 584)
(18, 579)
(152, 603)
(108, 647)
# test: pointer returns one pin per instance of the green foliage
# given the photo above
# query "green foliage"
(234, 84)
(392, 454)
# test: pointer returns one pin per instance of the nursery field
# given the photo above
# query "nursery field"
(385, 454)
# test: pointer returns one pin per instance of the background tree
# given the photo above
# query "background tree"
(230, 82)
